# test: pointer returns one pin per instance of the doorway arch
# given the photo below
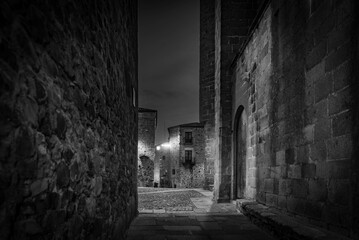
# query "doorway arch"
(239, 152)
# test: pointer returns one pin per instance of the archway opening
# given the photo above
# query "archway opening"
(239, 152)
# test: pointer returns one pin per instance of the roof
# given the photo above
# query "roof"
(193, 125)
(146, 110)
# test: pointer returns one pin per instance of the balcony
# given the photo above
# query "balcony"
(188, 163)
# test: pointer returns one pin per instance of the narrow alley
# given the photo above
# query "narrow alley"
(179, 119)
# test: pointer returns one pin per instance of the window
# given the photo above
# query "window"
(188, 137)
(173, 171)
(188, 156)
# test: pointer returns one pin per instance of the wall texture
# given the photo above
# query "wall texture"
(147, 121)
(206, 89)
(186, 176)
(68, 152)
(192, 177)
(295, 79)
(232, 22)
(172, 162)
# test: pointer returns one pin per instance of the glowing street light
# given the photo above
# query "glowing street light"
(163, 145)
(166, 145)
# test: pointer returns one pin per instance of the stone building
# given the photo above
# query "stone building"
(278, 98)
(162, 166)
(184, 162)
(68, 119)
(147, 122)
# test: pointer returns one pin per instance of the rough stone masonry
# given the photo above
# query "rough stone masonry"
(68, 117)
(295, 81)
(283, 80)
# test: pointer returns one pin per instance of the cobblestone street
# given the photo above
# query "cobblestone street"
(193, 217)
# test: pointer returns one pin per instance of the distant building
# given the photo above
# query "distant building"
(147, 122)
(162, 166)
(182, 165)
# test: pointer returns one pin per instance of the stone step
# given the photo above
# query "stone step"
(282, 225)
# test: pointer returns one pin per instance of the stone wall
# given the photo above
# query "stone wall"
(145, 175)
(162, 167)
(232, 22)
(147, 121)
(68, 152)
(173, 156)
(186, 176)
(194, 176)
(295, 79)
(206, 92)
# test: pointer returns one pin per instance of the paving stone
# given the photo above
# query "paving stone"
(205, 219)
(210, 226)
(283, 225)
(182, 228)
(147, 222)
(187, 237)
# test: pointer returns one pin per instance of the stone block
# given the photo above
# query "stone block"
(340, 147)
(308, 170)
(338, 191)
(280, 157)
(289, 156)
(323, 87)
(308, 133)
(296, 205)
(321, 110)
(302, 154)
(322, 129)
(39, 186)
(269, 185)
(337, 57)
(316, 55)
(252, 182)
(343, 75)
(342, 124)
(285, 187)
(318, 190)
(300, 188)
(282, 202)
(318, 151)
(314, 74)
(271, 200)
(333, 169)
(339, 36)
(340, 101)
(295, 171)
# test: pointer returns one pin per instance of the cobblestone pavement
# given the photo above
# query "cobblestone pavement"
(167, 199)
(179, 201)
(204, 219)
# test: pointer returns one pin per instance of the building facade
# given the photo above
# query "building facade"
(283, 84)
(147, 122)
(183, 163)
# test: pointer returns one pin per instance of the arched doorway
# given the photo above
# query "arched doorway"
(240, 150)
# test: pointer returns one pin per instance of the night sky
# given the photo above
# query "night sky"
(169, 61)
